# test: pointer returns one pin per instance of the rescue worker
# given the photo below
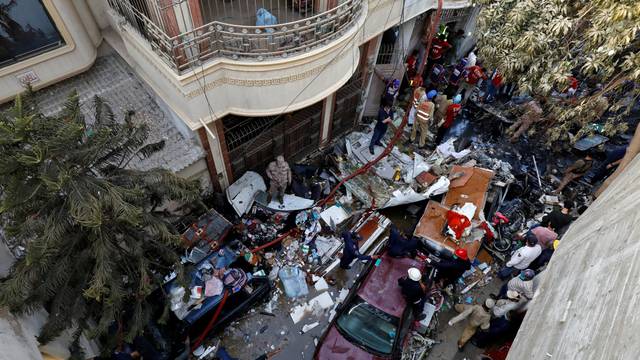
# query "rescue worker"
(399, 245)
(351, 250)
(479, 317)
(473, 74)
(453, 110)
(414, 291)
(442, 103)
(424, 118)
(574, 172)
(532, 114)
(419, 95)
(385, 117)
(279, 174)
(450, 270)
(456, 75)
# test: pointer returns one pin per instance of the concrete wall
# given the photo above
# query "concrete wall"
(587, 304)
(77, 26)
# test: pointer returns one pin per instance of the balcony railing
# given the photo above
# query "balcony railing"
(180, 37)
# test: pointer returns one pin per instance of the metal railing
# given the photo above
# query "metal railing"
(170, 27)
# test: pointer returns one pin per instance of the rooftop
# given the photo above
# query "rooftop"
(114, 81)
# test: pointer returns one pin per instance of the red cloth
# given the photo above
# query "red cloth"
(452, 111)
(475, 73)
(497, 80)
(488, 230)
(498, 352)
(573, 82)
(457, 222)
(439, 47)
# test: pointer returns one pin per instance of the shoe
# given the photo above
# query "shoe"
(371, 151)
(493, 296)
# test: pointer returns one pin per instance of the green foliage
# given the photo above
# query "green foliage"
(96, 245)
(540, 43)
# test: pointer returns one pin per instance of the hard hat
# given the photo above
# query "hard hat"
(527, 274)
(556, 242)
(462, 254)
(489, 303)
(396, 82)
(431, 94)
(414, 274)
(513, 295)
(457, 99)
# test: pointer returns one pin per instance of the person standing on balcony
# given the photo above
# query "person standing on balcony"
(385, 117)
(279, 174)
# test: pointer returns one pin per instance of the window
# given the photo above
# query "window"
(368, 327)
(26, 30)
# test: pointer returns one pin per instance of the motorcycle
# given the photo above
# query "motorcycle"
(505, 225)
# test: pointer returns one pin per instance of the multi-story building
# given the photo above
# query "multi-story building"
(228, 84)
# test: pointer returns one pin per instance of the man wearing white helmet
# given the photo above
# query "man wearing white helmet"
(413, 290)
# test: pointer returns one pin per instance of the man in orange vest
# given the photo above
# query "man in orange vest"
(419, 95)
(424, 117)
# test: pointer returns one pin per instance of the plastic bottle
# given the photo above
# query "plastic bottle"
(293, 281)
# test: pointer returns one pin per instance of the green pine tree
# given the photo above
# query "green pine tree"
(97, 240)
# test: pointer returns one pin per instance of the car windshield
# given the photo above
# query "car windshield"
(368, 327)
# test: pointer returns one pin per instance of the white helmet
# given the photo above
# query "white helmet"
(414, 274)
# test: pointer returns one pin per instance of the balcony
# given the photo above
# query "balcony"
(187, 33)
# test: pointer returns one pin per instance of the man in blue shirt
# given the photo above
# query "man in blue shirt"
(351, 251)
(385, 116)
(400, 246)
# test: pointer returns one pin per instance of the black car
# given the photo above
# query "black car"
(174, 338)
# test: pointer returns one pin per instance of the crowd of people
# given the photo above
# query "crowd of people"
(438, 96)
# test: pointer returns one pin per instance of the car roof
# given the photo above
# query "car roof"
(380, 288)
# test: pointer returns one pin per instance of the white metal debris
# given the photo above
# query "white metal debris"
(242, 192)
